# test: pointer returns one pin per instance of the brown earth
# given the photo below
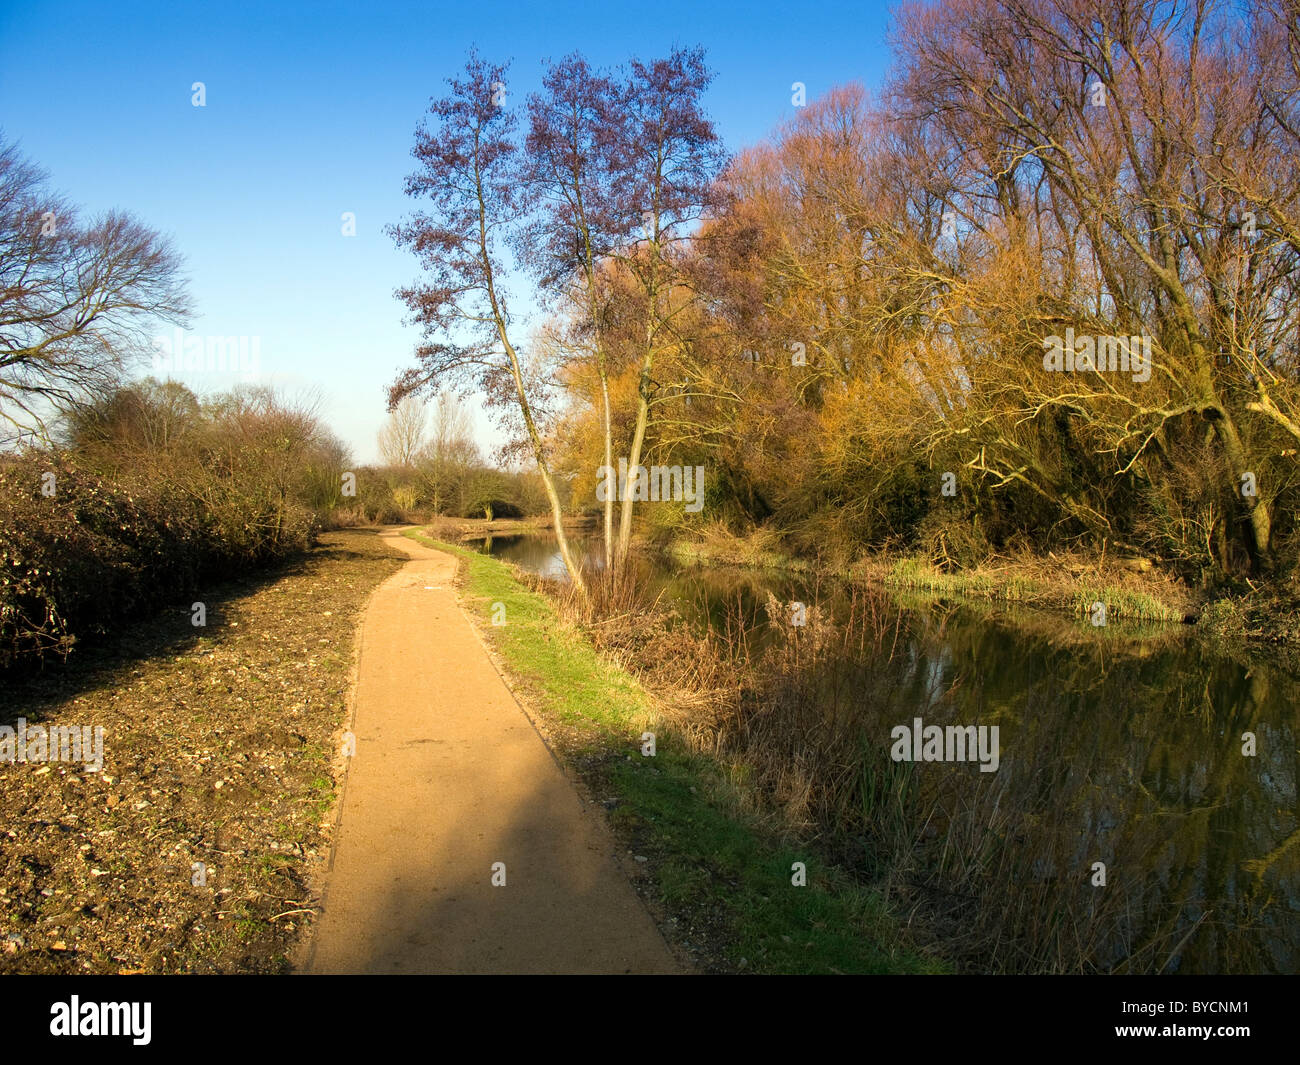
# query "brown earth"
(217, 749)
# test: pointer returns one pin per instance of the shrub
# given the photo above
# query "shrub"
(952, 540)
(72, 561)
(158, 491)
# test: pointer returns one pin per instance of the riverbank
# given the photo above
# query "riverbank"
(1131, 588)
(1128, 589)
(721, 878)
(456, 530)
(1258, 620)
(1113, 740)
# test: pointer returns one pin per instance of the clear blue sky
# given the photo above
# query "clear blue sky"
(311, 111)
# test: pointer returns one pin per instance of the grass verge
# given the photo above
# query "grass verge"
(719, 876)
(1045, 583)
(1082, 595)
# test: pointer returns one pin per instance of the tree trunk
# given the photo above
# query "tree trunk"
(539, 453)
(609, 466)
(525, 408)
(1261, 525)
(633, 461)
(643, 402)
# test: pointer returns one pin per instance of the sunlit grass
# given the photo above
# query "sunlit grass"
(1119, 602)
(687, 812)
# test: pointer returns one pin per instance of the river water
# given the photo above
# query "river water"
(1128, 825)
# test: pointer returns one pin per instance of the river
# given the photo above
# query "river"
(1142, 816)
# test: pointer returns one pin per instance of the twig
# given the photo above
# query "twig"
(309, 909)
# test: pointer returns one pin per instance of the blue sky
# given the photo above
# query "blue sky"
(311, 110)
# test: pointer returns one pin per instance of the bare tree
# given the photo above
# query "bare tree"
(669, 159)
(577, 142)
(1110, 137)
(76, 300)
(401, 437)
(450, 451)
(470, 176)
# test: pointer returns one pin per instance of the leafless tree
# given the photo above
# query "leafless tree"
(469, 180)
(449, 452)
(403, 434)
(77, 300)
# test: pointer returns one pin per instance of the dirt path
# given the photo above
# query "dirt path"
(450, 777)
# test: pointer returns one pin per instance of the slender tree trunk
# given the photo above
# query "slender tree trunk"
(602, 368)
(634, 460)
(643, 403)
(539, 453)
(525, 408)
(609, 466)
(606, 418)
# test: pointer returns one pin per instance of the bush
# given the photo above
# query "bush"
(126, 523)
(952, 540)
(96, 551)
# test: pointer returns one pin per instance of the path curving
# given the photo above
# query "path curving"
(448, 778)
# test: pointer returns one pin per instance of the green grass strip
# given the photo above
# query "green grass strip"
(710, 859)
(1119, 602)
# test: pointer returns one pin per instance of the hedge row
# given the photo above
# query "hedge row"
(80, 553)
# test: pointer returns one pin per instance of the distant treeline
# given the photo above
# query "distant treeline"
(152, 492)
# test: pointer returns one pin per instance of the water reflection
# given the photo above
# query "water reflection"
(1122, 751)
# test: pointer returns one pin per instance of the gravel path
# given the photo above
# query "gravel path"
(450, 778)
